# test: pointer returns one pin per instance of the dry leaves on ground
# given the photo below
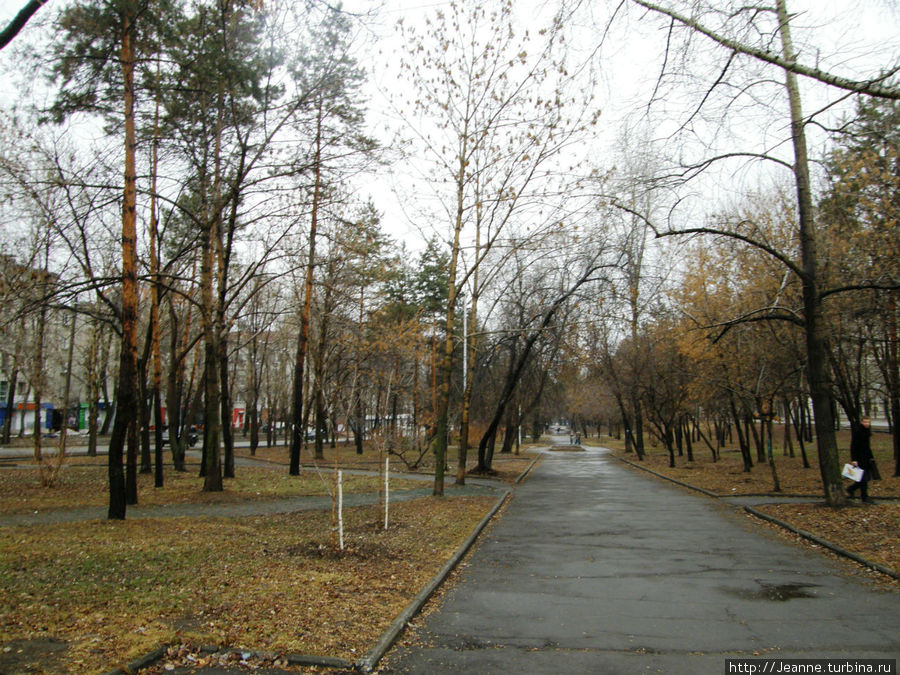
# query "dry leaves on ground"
(872, 532)
(82, 485)
(112, 591)
(506, 466)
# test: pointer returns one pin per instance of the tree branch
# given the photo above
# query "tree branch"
(872, 87)
(19, 21)
(778, 255)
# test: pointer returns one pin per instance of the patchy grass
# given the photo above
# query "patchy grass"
(727, 476)
(872, 532)
(90, 596)
(85, 597)
(81, 484)
(507, 467)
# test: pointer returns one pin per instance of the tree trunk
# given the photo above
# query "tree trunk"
(745, 447)
(469, 365)
(638, 428)
(10, 403)
(758, 437)
(212, 459)
(688, 438)
(155, 287)
(787, 442)
(816, 334)
(126, 400)
(144, 413)
(173, 394)
(679, 438)
(509, 436)
(670, 445)
(253, 405)
(892, 359)
(299, 430)
(359, 428)
(320, 422)
(225, 404)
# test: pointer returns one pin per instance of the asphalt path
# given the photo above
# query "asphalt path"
(595, 568)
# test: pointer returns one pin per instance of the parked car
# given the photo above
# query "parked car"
(192, 437)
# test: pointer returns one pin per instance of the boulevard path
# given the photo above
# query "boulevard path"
(595, 568)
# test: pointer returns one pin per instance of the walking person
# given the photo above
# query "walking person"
(861, 456)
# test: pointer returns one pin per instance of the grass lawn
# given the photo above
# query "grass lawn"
(89, 596)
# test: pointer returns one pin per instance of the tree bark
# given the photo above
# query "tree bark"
(815, 330)
(299, 426)
(126, 400)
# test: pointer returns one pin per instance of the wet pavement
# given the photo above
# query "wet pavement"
(595, 568)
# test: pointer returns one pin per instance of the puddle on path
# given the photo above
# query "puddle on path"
(773, 592)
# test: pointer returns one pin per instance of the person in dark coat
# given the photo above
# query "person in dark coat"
(861, 456)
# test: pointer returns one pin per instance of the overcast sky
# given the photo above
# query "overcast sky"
(852, 37)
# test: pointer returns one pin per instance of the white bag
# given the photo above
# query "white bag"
(852, 472)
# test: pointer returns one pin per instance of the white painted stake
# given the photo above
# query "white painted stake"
(386, 490)
(340, 494)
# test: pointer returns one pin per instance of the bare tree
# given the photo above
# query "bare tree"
(773, 46)
(495, 116)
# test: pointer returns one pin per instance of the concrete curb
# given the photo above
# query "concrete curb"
(367, 663)
(292, 659)
(775, 521)
(708, 493)
(822, 542)
(527, 470)
(145, 661)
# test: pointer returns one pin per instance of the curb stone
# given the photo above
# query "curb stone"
(775, 521)
(708, 493)
(527, 470)
(368, 663)
(143, 662)
(823, 542)
(292, 659)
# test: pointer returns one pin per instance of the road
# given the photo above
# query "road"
(595, 568)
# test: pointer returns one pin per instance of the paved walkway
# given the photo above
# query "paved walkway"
(595, 568)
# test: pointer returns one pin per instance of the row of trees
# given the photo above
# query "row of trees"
(243, 138)
(234, 260)
(714, 352)
(785, 296)
(227, 251)
(746, 120)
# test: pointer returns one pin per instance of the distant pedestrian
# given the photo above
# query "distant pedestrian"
(861, 456)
